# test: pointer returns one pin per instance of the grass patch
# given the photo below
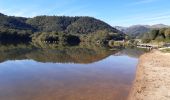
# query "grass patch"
(166, 50)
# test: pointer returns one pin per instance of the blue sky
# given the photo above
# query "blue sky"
(114, 12)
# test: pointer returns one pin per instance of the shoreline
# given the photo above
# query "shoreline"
(152, 81)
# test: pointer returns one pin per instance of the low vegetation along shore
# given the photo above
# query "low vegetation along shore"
(152, 80)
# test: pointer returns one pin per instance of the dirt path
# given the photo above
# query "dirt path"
(152, 78)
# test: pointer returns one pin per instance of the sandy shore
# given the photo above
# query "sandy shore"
(152, 80)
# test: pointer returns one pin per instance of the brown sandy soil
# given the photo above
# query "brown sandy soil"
(152, 78)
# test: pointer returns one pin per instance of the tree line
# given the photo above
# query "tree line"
(157, 35)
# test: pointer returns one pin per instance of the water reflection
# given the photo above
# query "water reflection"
(68, 73)
(76, 54)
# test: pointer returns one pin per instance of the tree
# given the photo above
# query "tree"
(167, 33)
(153, 34)
(162, 32)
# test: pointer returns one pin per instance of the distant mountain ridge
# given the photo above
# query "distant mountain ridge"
(139, 30)
(159, 26)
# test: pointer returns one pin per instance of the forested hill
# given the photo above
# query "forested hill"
(60, 29)
(11, 22)
(65, 24)
(1, 14)
(80, 25)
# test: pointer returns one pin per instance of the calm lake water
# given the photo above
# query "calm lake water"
(68, 74)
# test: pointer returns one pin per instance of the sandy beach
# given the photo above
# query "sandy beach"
(152, 80)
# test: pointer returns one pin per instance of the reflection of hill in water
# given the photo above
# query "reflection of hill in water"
(132, 52)
(12, 52)
(75, 54)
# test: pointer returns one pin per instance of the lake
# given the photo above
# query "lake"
(74, 73)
